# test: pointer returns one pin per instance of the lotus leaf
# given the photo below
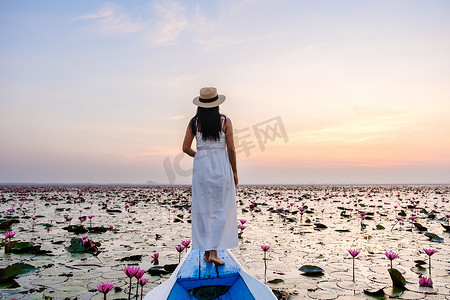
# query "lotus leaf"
(10, 272)
(397, 278)
(433, 237)
(420, 227)
(310, 269)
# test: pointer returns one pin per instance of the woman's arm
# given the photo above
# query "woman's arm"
(228, 129)
(188, 138)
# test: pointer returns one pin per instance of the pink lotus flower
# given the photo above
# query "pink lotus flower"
(138, 276)
(242, 221)
(33, 218)
(186, 243)
(105, 287)
(429, 252)
(9, 235)
(353, 253)
(242, 227)
(90, 220)
(179, 249)
(424, 281)
(139, 273)
(155, 259)
(131, 271)
(265, 247)
(143, 281)
(412, 218)
(391, 255)
(399, 219)
(69, 219)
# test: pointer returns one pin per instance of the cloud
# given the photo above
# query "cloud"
(363, 126)
(171, 21)
(111, 19)
(168, 20)
(177, 117)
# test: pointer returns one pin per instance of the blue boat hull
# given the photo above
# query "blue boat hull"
(197, 280)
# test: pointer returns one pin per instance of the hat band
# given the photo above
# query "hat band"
(208, 100)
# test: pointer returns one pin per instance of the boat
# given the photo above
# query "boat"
(195, 279)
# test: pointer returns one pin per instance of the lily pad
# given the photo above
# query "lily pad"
(311, 270)
(378, 294)
(433, 237)
(276, 280)
(420, 262)
(76, 246)
(98, 229)
(6, 224)
(132, 257)
(8, 274)
(320, 225)
(397, 278)
(446, 227)
(394, 292)
(170, 267)
(380, 227)
(157, 270)
(19, 247)
(342, 230)
(420, 227)
(78, 229)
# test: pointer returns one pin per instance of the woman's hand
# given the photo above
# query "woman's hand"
(236, 180)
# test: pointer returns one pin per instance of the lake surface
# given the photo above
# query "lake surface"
(150, 219)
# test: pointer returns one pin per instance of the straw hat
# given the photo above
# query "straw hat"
(208, 98)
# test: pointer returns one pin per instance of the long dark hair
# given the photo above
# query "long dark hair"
(208, 120)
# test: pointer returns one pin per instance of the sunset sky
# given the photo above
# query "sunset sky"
(101, 91)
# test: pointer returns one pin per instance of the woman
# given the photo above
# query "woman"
(214, 219)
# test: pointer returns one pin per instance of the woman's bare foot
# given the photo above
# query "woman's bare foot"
(206, 257)
(214, 258)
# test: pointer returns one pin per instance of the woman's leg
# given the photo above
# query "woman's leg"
(214, 258)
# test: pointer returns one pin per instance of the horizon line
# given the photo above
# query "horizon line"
(187, 184)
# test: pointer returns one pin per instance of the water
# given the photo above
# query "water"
(273, 218)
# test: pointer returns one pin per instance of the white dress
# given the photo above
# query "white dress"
(214, 219)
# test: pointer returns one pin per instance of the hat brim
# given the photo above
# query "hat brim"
(215, 103)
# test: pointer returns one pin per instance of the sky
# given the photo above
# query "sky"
(319, 92)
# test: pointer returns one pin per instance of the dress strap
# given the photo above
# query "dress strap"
(222, 122)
